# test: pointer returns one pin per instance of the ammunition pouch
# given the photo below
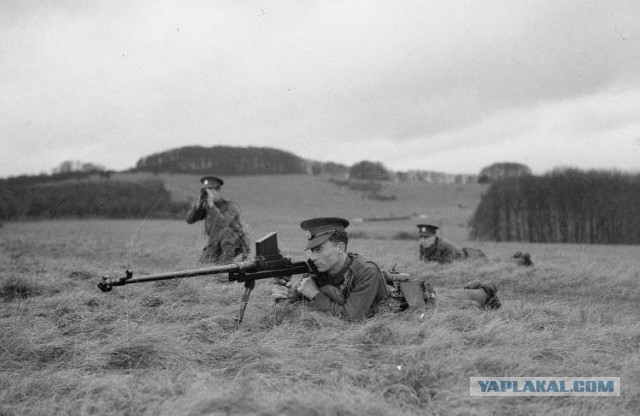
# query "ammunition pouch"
(410, 293)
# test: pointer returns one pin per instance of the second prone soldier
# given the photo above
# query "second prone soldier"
(435, 248)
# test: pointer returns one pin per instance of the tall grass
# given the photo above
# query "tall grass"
(170, 348)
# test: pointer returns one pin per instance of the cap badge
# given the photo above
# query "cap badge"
(308, 234)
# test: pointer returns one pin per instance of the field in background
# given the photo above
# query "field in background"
(170, 348)
(277, 202)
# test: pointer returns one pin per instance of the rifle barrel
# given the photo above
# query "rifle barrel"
(107, 283)
(195, 272)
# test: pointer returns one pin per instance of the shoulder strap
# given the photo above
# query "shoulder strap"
(382, 281)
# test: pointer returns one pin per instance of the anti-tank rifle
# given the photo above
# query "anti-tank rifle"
(267, 263)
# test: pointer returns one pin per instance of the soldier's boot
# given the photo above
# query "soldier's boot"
(429, 293)
(523, 259)
(492, 298)
(474, 284)
(490, 289)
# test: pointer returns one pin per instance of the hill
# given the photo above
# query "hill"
(268, 201)
(229, 160)
(223, 160)
(275, 201)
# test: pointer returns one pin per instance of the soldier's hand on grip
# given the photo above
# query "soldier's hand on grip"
(286, 288)
(308, 288)
(279, 292)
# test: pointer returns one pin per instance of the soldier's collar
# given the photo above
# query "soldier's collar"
(344, 267)
(431, 241)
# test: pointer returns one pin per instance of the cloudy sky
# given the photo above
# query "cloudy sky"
(448, 85)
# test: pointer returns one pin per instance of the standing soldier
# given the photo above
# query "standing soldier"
(435, 248)
(222, 224)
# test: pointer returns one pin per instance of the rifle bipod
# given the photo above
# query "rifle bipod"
(244, 300)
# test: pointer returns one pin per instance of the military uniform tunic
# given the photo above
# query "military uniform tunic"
(354, 293)
(441, 251)
(223, 227)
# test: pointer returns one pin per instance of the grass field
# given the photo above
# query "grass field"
(272, 202)
(170, 348)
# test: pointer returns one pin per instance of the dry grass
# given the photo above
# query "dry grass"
(67, 348)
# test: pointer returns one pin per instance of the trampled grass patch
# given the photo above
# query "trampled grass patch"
(171, 348)
(16, 287)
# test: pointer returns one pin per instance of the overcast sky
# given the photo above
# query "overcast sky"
(447, 85)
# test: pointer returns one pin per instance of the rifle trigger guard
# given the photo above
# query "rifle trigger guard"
(241, 272)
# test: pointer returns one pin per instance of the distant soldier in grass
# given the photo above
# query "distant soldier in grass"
(222, 224)
(348, 285)
(522, 259)
(435, 248)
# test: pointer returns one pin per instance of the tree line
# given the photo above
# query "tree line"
(88, 198)
(563, 206)
(229, 160)
(223, 160)
(500, 170)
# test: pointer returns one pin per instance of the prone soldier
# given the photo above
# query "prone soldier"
(222, 224)
(435, 248)
(351, 287)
